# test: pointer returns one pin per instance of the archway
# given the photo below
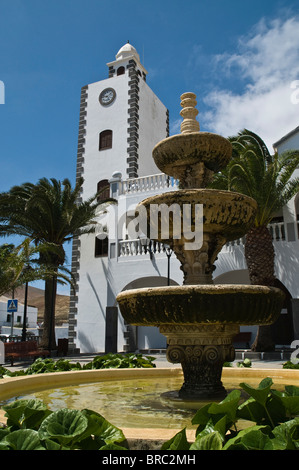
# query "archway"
(144, 338)
(282, 329)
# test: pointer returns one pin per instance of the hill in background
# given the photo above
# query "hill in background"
(36, 299)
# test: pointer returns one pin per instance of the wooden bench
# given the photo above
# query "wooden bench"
(23, 349)
(243, 337)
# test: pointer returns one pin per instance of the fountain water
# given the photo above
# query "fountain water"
(200, 319)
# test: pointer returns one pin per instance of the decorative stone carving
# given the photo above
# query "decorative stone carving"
(225, 217)
(202, 351)
(189, 113)
(202, 368)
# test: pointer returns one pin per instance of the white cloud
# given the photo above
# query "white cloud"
(268, 60)
(175, 126)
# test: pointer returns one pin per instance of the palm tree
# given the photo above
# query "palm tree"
(49, 213)
(21, 264)
(12, 265)
(267, 179)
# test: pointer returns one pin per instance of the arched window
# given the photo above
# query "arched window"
(105, 140)
(120, 70)
(103, 188)
(101, 247)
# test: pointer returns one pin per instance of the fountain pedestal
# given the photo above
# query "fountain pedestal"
(202, 351)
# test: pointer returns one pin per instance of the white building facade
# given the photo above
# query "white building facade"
(16, 318)
(121, 120)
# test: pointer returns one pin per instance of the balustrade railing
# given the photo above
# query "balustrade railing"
(162, 182)
(140, 247)
(147, 184)
(277, 230)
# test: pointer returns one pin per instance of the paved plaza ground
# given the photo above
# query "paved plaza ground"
(160, 361)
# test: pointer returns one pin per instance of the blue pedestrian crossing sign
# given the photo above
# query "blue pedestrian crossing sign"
(12, 305)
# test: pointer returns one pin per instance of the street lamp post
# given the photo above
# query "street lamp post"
(169, 252)
(24, 329)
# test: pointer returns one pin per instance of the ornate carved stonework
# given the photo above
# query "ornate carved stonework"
(202, 368)
(198, 265)
(201, 350)
(189, 113)
(200, 334)
(225, 217)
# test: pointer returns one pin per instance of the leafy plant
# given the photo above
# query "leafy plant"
(120, 361)
(49, 213)
(245, 363)
(32, 426)
(290, 365)
(106, 361)
(274, 413)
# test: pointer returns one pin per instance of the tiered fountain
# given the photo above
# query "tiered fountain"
(200, 319)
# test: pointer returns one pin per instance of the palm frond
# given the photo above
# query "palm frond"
(255, 172)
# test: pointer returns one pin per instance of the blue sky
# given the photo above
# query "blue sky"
(239, 57)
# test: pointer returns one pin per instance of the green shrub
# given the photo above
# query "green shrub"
(120, 361)
(245, 363)
(32, 426)
(274, 413)
(106, 361)
(290, 365)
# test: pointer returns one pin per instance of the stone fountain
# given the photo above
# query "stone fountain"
(200, 319)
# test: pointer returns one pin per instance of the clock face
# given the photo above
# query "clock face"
(107, 96)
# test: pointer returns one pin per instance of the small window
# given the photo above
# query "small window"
(101, 247)
(120, 70)
(105, 140)
(103, 188)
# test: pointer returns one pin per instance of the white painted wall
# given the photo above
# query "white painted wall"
(289, 143)
(101, 164)
(101, 280)
(92, 300)
(152, 128)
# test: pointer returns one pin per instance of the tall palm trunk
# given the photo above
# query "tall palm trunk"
(48, 340)
(259, 254)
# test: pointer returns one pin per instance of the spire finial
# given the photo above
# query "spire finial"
(189, 113)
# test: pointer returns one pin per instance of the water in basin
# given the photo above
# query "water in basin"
(131, 403)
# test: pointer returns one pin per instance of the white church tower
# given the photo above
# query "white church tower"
(121, 120)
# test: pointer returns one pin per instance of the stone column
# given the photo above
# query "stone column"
(201, 350)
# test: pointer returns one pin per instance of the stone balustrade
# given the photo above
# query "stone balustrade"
(149, 183)
(139, 247)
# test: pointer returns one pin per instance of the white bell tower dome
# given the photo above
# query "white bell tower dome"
(125, 56)
(127, 51)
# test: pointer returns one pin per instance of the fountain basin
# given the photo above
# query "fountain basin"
(183, 150)
(194, 305)
(138, 437)
(226, 214)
